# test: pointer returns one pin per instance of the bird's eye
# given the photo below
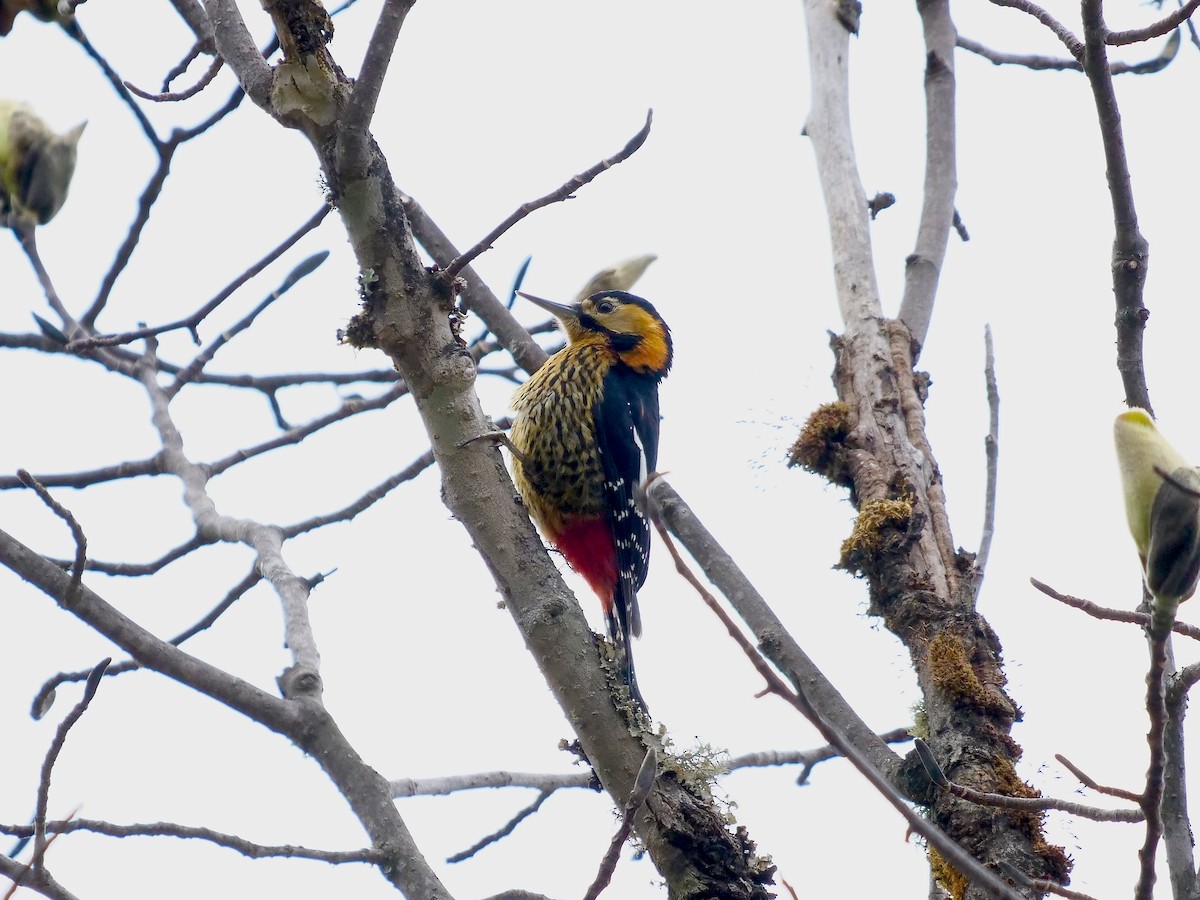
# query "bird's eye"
(604, 306)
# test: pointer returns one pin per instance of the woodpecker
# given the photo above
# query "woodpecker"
(585, 436)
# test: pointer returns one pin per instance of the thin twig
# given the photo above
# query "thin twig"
(150, 194)
(1152, 797)
(555, 196)
(136, 569)
(504, 830)
(130, 469)
(28, 241)
(371, 497)
(350, 407)
(193, 321)
(1040, 884)
(60, 738)
(175, 96)
(1163, 26)
(991, 449)
(1109, 614)
(1004, 801)
(477, 296)
(1060, 31)
(75, 32)
(1037, 62)
(1088, 781)
(360, 108)
(189, 372)
(76, 533)
(188, 832)
(642, 786)
(182, 66)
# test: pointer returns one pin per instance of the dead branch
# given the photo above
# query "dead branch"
(555, 196)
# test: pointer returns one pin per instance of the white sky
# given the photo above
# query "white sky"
(488, 105)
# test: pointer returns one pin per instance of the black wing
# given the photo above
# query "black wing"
(1173, 557)
(627, 432)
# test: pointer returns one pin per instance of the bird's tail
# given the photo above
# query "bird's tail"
(624, 623)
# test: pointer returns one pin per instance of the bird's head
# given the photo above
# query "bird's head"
(626, 323)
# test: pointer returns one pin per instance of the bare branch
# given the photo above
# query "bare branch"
(75, 32)
(773, 637)
(24, 876)
(371, 497)
(954, 854)
(355, 122)
(1165, 25)
(302, 270)
(187, 832)
(236, 46)
(28, 240)
(176, 96)
(1177, 827)
(828, 127)
(554, 196)
(301, 718)
(991, 449)
(1040, 884)
(641, 790)
(1131, 251)
(137, 569)
(266, 541)
(1060, 31)
(131, 469)
(1004, 801)
(448, 784)
(76, 532)
(1032, 61)
(1151, 800)
(197, 19)
(350, 407)
(60, 739)
(1057, 64)
(193, 54)
(923, 267)
(1112, 615)
(477, 297)
(1087, 781)
(503, 832)
(150, 194)
(193, 321)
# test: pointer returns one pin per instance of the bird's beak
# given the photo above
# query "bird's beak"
(569, 311)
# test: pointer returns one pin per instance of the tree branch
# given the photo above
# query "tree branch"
(773, 637)
(1165, 25)
(187, 832)
(1060, 31)
(477, 297)
(555, 196)
(991, 449)
(236, 46)
(354, 132)
(1004, 801)
(923, 268)
(1131, 251)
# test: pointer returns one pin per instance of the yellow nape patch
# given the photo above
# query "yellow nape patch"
(650, 355)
